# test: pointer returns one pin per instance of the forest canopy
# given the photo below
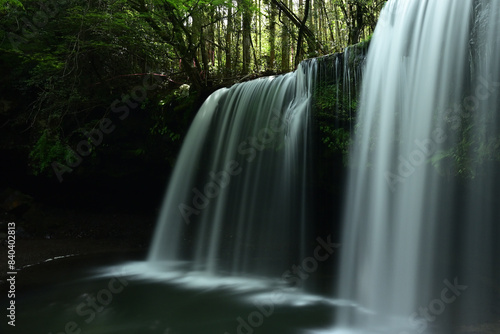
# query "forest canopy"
(68, 63)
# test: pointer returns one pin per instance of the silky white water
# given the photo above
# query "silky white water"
(237, 202)
(421, 224)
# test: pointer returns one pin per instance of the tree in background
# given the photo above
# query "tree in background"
(67, 61)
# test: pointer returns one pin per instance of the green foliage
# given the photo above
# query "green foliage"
(164, 130)
(189, 5)
(48, 148)
(326, 97)
(336, 139)
(66, 68)
(168, 110)
(6, 5)
(334, 112)
(83, 58)
(333, 97)
(473, 145)
(365, 43)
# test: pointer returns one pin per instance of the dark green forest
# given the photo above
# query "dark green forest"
(110, 87)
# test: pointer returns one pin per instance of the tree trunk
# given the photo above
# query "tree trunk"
(285, 45)
(293, 19)
(272, 36)
(298, 57)
(247, 37)
(229, 43)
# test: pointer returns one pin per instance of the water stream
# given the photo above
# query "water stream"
(238, 200)
(421, 224)
(236, 236)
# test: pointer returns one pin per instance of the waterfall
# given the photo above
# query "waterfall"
(238, 200)
(421, 223)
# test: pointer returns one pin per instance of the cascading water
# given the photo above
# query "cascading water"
(421, 226)
(238, 201)
(420, 247)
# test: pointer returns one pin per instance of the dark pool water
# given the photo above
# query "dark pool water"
(132, 298)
